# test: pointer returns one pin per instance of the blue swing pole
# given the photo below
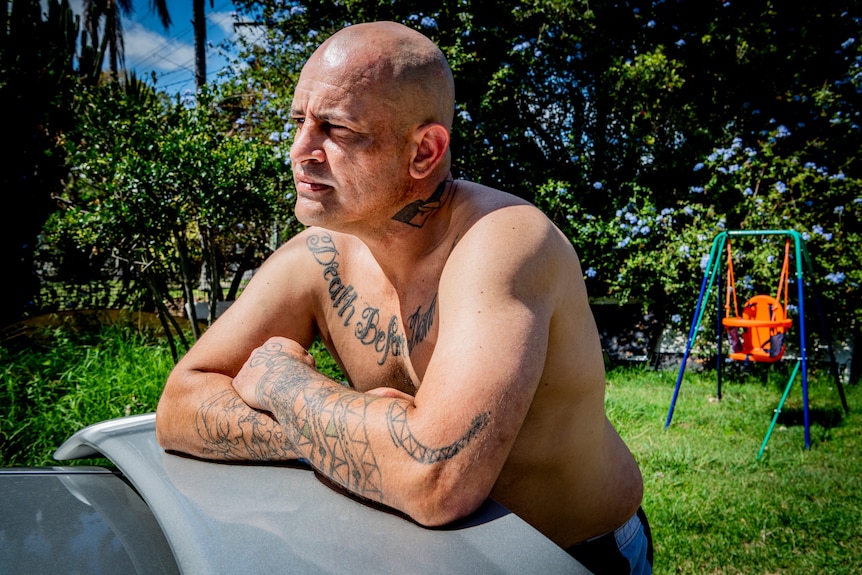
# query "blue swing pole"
(803, 351)
(711, 268)
(718, 338)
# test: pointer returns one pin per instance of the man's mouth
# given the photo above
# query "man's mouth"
(310, 185)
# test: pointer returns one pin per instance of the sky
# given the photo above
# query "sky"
(170, 54)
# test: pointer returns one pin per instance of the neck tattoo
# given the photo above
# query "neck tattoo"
(416, 213)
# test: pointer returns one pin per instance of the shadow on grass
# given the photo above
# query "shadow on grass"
(826, 417)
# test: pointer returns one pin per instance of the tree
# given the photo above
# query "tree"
(37, 79)
(108, 14)
(165, 185)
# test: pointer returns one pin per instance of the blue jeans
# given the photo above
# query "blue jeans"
(626, 550)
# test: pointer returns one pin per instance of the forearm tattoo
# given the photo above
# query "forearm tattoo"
(404, 438)
(230, 430)
(330, 425)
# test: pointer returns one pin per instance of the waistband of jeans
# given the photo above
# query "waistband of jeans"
(621, 535)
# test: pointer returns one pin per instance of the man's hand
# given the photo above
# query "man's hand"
(276, 357)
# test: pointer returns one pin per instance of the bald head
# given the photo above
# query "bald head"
(407, 69)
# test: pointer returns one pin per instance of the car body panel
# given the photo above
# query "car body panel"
(251, 518)
(77, 520)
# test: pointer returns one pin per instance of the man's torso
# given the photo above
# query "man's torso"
(568, 473)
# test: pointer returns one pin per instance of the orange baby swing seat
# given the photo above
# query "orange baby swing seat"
(763, 322)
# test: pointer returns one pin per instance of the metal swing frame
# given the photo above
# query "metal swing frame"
(713, 277)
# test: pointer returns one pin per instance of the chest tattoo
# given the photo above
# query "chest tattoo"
(420, 322)
(369, 328)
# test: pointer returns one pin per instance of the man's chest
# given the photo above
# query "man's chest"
(380, 337)
(376, 342)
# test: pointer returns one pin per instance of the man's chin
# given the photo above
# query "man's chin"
(311, 214)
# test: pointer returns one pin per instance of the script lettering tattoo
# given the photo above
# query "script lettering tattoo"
(256, 436)
(402, 437)
(416, 213)
(420, 323)
(343, 297)
(385, 341)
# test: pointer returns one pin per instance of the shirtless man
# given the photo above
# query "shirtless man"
(457, 313)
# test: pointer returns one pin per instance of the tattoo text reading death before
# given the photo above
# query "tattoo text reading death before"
(368, 329)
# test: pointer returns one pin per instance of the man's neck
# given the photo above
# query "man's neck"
(416, 232)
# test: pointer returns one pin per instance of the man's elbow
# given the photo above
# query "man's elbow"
(163, 419)
(168, 415)
(447, 503)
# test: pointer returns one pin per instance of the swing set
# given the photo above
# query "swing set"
(758, 333)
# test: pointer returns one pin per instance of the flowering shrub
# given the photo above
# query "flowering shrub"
(654, 253)
(759, 188)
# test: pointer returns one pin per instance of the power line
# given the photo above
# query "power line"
(173, 44)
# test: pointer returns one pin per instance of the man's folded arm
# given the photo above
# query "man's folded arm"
(200, 413)
(427, 462)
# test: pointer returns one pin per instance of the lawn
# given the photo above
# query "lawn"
(713, 506)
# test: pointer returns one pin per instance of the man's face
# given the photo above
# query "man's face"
(349, 164)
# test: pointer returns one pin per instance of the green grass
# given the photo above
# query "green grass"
(64, 380)
(713, 507)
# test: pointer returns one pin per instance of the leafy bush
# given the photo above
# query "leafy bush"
(66, 379)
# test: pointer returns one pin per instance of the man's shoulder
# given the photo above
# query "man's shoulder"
(510, 236)
(482, 195)
(499, 220)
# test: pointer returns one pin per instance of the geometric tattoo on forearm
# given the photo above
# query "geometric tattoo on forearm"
(402, 437)
(330, 426)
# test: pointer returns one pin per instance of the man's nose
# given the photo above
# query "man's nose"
(307, 145)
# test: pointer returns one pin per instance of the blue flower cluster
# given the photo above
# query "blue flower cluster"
(818, 231)
(282, 136)
(640, 225)
(424, 21)
(835, 277)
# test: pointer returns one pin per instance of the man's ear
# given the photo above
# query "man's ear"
(431, 143)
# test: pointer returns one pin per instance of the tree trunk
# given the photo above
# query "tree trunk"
(244, 264)
(211, 263)
(188, 287)
(200, 27)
